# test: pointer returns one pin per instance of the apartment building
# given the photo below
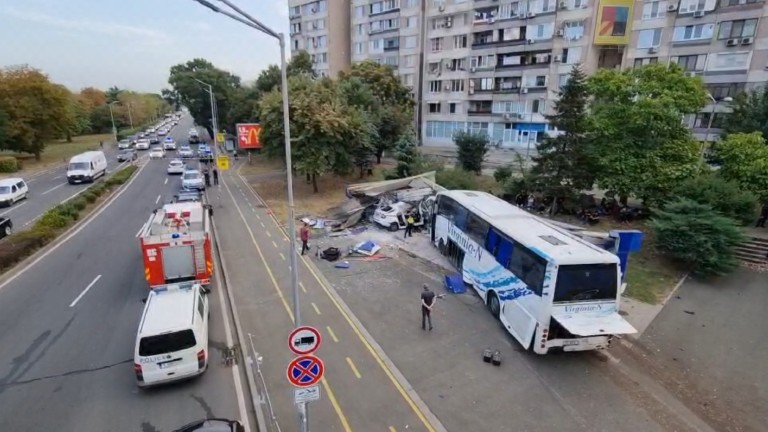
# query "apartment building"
(724, 42)
(389, 32)
(322, 28)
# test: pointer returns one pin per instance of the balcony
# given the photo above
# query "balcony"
(506, 85)
(509, 61)
(480, 108)
(392, 47)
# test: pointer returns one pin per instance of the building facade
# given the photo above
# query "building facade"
(321, 27)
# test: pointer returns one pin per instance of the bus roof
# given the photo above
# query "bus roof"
(543, 238)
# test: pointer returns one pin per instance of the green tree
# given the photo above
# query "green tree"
(112, 94)
(244, 107)
(37, 109)
(502, 174)
(697, 236)
(562, 165)
(749, 113)
(172, 98)
(194, 95)
(407, 155)
(471, 150)
(638, 143)
(744, 159)
(395, 114)
(4, 133)
(326, 132)
(725, 197)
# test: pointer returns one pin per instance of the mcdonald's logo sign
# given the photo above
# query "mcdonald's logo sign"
(248, 135)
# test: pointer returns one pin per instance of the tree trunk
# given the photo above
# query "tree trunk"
(69, 136)
(362, 171)
(314, 184)
(379, 154)
(623, 199)
(37, 155)
(309, 178)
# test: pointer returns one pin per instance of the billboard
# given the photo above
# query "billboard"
(614, 22)
(248, 135)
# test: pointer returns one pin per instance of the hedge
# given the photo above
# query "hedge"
(9, 164)
(20, 245)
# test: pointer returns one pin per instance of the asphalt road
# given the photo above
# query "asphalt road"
(360, 391)
(66, 351)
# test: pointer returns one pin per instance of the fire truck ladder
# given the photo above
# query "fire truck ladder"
(200, 264)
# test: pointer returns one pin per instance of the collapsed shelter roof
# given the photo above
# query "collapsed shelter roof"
(375, 189)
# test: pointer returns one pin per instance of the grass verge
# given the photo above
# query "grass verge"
(18, 246)
(57, 152)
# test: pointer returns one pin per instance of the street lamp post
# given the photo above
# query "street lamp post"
(130, 115)
(705, 144)
(303, 413)
(112, 117)
(214, 121)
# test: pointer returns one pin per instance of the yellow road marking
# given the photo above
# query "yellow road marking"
(333, 335)
(274, 244)
(354, 368)
(336, 406)
(282, 256)
(411, 403)
(314, 306)
(302, 287)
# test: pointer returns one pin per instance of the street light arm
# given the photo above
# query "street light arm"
(231, 15)
(261, 27)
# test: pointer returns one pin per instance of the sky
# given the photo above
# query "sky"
(132, 44)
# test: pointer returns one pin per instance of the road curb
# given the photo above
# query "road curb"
(401, 380)
(659, 307)
(253, 389)
(66, 235)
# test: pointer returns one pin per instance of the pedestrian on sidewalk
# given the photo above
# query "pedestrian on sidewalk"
(409, 225)
(207, 176)
(427, 301)
(215, 176)
(763, 216)
(304, 235)
(101, 144)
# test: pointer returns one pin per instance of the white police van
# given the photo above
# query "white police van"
(172, 341)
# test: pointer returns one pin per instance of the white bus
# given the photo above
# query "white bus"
(550, 289)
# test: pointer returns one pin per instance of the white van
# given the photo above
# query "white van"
(86, 167)
(172, 343)
(12, 190)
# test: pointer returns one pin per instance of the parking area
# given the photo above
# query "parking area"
(445, 367)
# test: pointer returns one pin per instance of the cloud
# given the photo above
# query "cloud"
(140, 34)
(281, 8)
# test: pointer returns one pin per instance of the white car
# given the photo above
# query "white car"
(193, 132)
(186, 152)
(162, 132)
(150, 131)
(176, 166)
(124, 144)
(12, 190)
(157, 153)
(169, 144)
(192, 179)
(142, 144)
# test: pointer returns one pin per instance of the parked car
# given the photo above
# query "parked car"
(176, 166)
(127, 155)
(6, 227)
(192, 179)
(156, 153)
(12, 190)
(186, 195)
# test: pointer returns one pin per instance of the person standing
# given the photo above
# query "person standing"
(763, 216)
(215, 176)
(207, 176)
(304, 235)
(409, 225)
(427, 301)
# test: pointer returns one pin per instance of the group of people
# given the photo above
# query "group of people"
(207, 176)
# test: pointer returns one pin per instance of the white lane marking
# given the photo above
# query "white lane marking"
(88, 288)
(12, 209)
(166, 181)
(141, 229)
(52, 189)
(158, 199)
(33, 220)
(74, 232)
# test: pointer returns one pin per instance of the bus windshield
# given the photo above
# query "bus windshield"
(586, 282)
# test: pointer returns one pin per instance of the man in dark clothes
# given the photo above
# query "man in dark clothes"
(427, 301)
(763, 216)
(215, 176)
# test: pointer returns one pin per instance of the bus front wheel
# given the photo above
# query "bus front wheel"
(493, 304)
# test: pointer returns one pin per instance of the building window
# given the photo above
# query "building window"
(573, 30)
(691, 63)
(452, 107)
(535, 81)
(436, 44)
(322, 41)
(737, 29)
(642, 61)
(435, 86)
(653, 10)
(434, 107)
(720, 91)
(460, 41)
(562, 80)
(457, 85)
(411, 3)
(295, 44)
(572, 55)
(650, 38)
(688, 6)
(740, 2)
(412, 22)
(701, 121)
(360, 11)
(360, 29)
(295, 28)
(410, 60)
(295, 11)
(408, 80)
(444, 129)
(482, 61)
(729, 61)
(509, 10)
(477, 127)
(693, 32)
(359, 47)
(541, 31)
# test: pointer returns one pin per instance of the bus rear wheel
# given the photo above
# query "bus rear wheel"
(494, 306)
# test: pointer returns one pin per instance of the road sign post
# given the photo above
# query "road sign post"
(304, 340)
(306, 395)
(305, 371)
(222, 161)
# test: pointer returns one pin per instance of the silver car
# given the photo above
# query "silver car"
(176, 166)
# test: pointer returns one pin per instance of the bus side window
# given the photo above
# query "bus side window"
(477, 229)
(529, 267)
(504, 251)
(492, 242)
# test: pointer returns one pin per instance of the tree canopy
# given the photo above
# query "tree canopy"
(749, 113)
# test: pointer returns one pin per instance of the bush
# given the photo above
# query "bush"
(502, 174)
(472, 148)
(53, 219)
(697, 236)
(9, 164)
(123, 175)
(22, 244)
(456, 179)
(726, 197)
(79, 203)
(90, 197)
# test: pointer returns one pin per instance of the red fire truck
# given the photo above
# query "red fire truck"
(176, 244)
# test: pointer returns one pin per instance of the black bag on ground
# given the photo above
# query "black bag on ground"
(330, 254)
